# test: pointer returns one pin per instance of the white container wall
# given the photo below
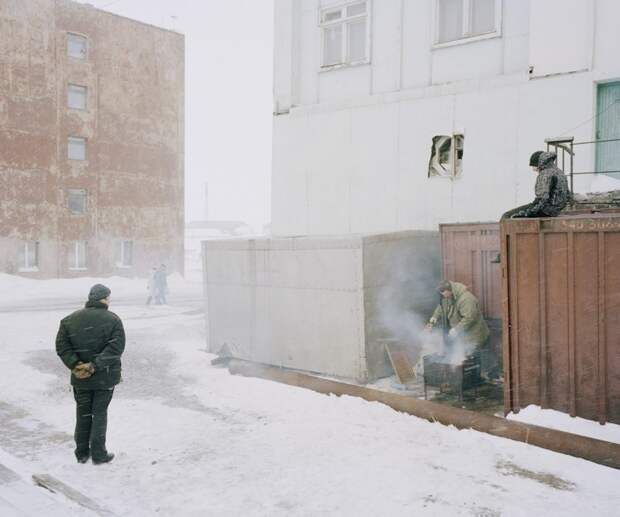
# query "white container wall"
(322, 305)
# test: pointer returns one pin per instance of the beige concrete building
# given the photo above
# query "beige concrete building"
(91, 142)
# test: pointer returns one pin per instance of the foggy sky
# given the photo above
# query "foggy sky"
(229, 72)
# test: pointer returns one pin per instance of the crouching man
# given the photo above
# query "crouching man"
(90, 343)
(459, 316)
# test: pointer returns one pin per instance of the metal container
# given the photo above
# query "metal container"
(561, 293)
(320, 304)
(439, 372)
(469, 255)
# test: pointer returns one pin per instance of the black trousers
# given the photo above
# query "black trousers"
(91, 422)
(519, 209)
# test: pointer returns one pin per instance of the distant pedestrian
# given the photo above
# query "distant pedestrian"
(162, 284)
(151, 286)
(551, 190)
(90, 343)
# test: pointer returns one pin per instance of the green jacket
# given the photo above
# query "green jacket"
(462, 312)
(92, 335)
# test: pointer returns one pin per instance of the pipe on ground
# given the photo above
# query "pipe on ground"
(591, 449)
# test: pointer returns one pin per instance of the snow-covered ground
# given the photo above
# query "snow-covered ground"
(192, 440)
(563, 422)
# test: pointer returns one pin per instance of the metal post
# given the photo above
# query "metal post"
(572, 170)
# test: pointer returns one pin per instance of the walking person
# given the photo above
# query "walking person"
(90, 343)
(151, 286)
(162, 284)
(551, 190)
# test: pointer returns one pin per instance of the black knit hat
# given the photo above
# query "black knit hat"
(98, 292)
(534, 158)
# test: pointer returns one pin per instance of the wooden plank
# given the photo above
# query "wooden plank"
(572, 370)
(514, 306)
(601, 372)
(399, 358)
(56, 486)
(506, 336)
(542, 293)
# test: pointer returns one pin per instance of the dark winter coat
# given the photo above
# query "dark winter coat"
(462, 312)
(551, 189)
(92, 335)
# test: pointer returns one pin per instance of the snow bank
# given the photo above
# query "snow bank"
(563, 422)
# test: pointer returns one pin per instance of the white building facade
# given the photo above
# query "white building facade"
(362, 90)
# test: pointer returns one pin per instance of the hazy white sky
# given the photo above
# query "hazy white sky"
(229, 72)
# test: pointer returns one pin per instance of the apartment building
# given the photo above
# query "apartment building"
(398, 114)
(91, 142)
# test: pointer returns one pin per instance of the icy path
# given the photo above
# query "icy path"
(191, 440)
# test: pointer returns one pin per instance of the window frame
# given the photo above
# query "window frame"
(466, 36)
(25, 267)
(455, 169)
(81, 87)
(120, 263)
(344, 21)
(75, 139)
(69, 34)
(73, 191)
(74, 264)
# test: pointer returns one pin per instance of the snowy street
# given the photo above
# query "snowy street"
(192, 440)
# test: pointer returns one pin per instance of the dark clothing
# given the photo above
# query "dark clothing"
(92, 335)
(518, 212)
(91, 422)
(551, 190)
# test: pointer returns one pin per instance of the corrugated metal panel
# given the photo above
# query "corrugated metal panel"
(469, 253)
(561, 291)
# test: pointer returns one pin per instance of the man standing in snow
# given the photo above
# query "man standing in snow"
(551, 190)
(90, 343)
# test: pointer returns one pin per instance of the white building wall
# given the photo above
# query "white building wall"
(352, 154)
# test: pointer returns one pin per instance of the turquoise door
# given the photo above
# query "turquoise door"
(608, 127)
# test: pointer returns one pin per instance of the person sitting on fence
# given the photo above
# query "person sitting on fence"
(551, 190)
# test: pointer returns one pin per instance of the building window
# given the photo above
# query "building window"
(345, 34)
(76, 148)
(76, 46)
(124, 254)
(77, 201)
(76, 97)
(29, 256)
(77, 255)
(458, 20)
(446, 156)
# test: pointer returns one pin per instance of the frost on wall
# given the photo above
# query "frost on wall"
(446, 156)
